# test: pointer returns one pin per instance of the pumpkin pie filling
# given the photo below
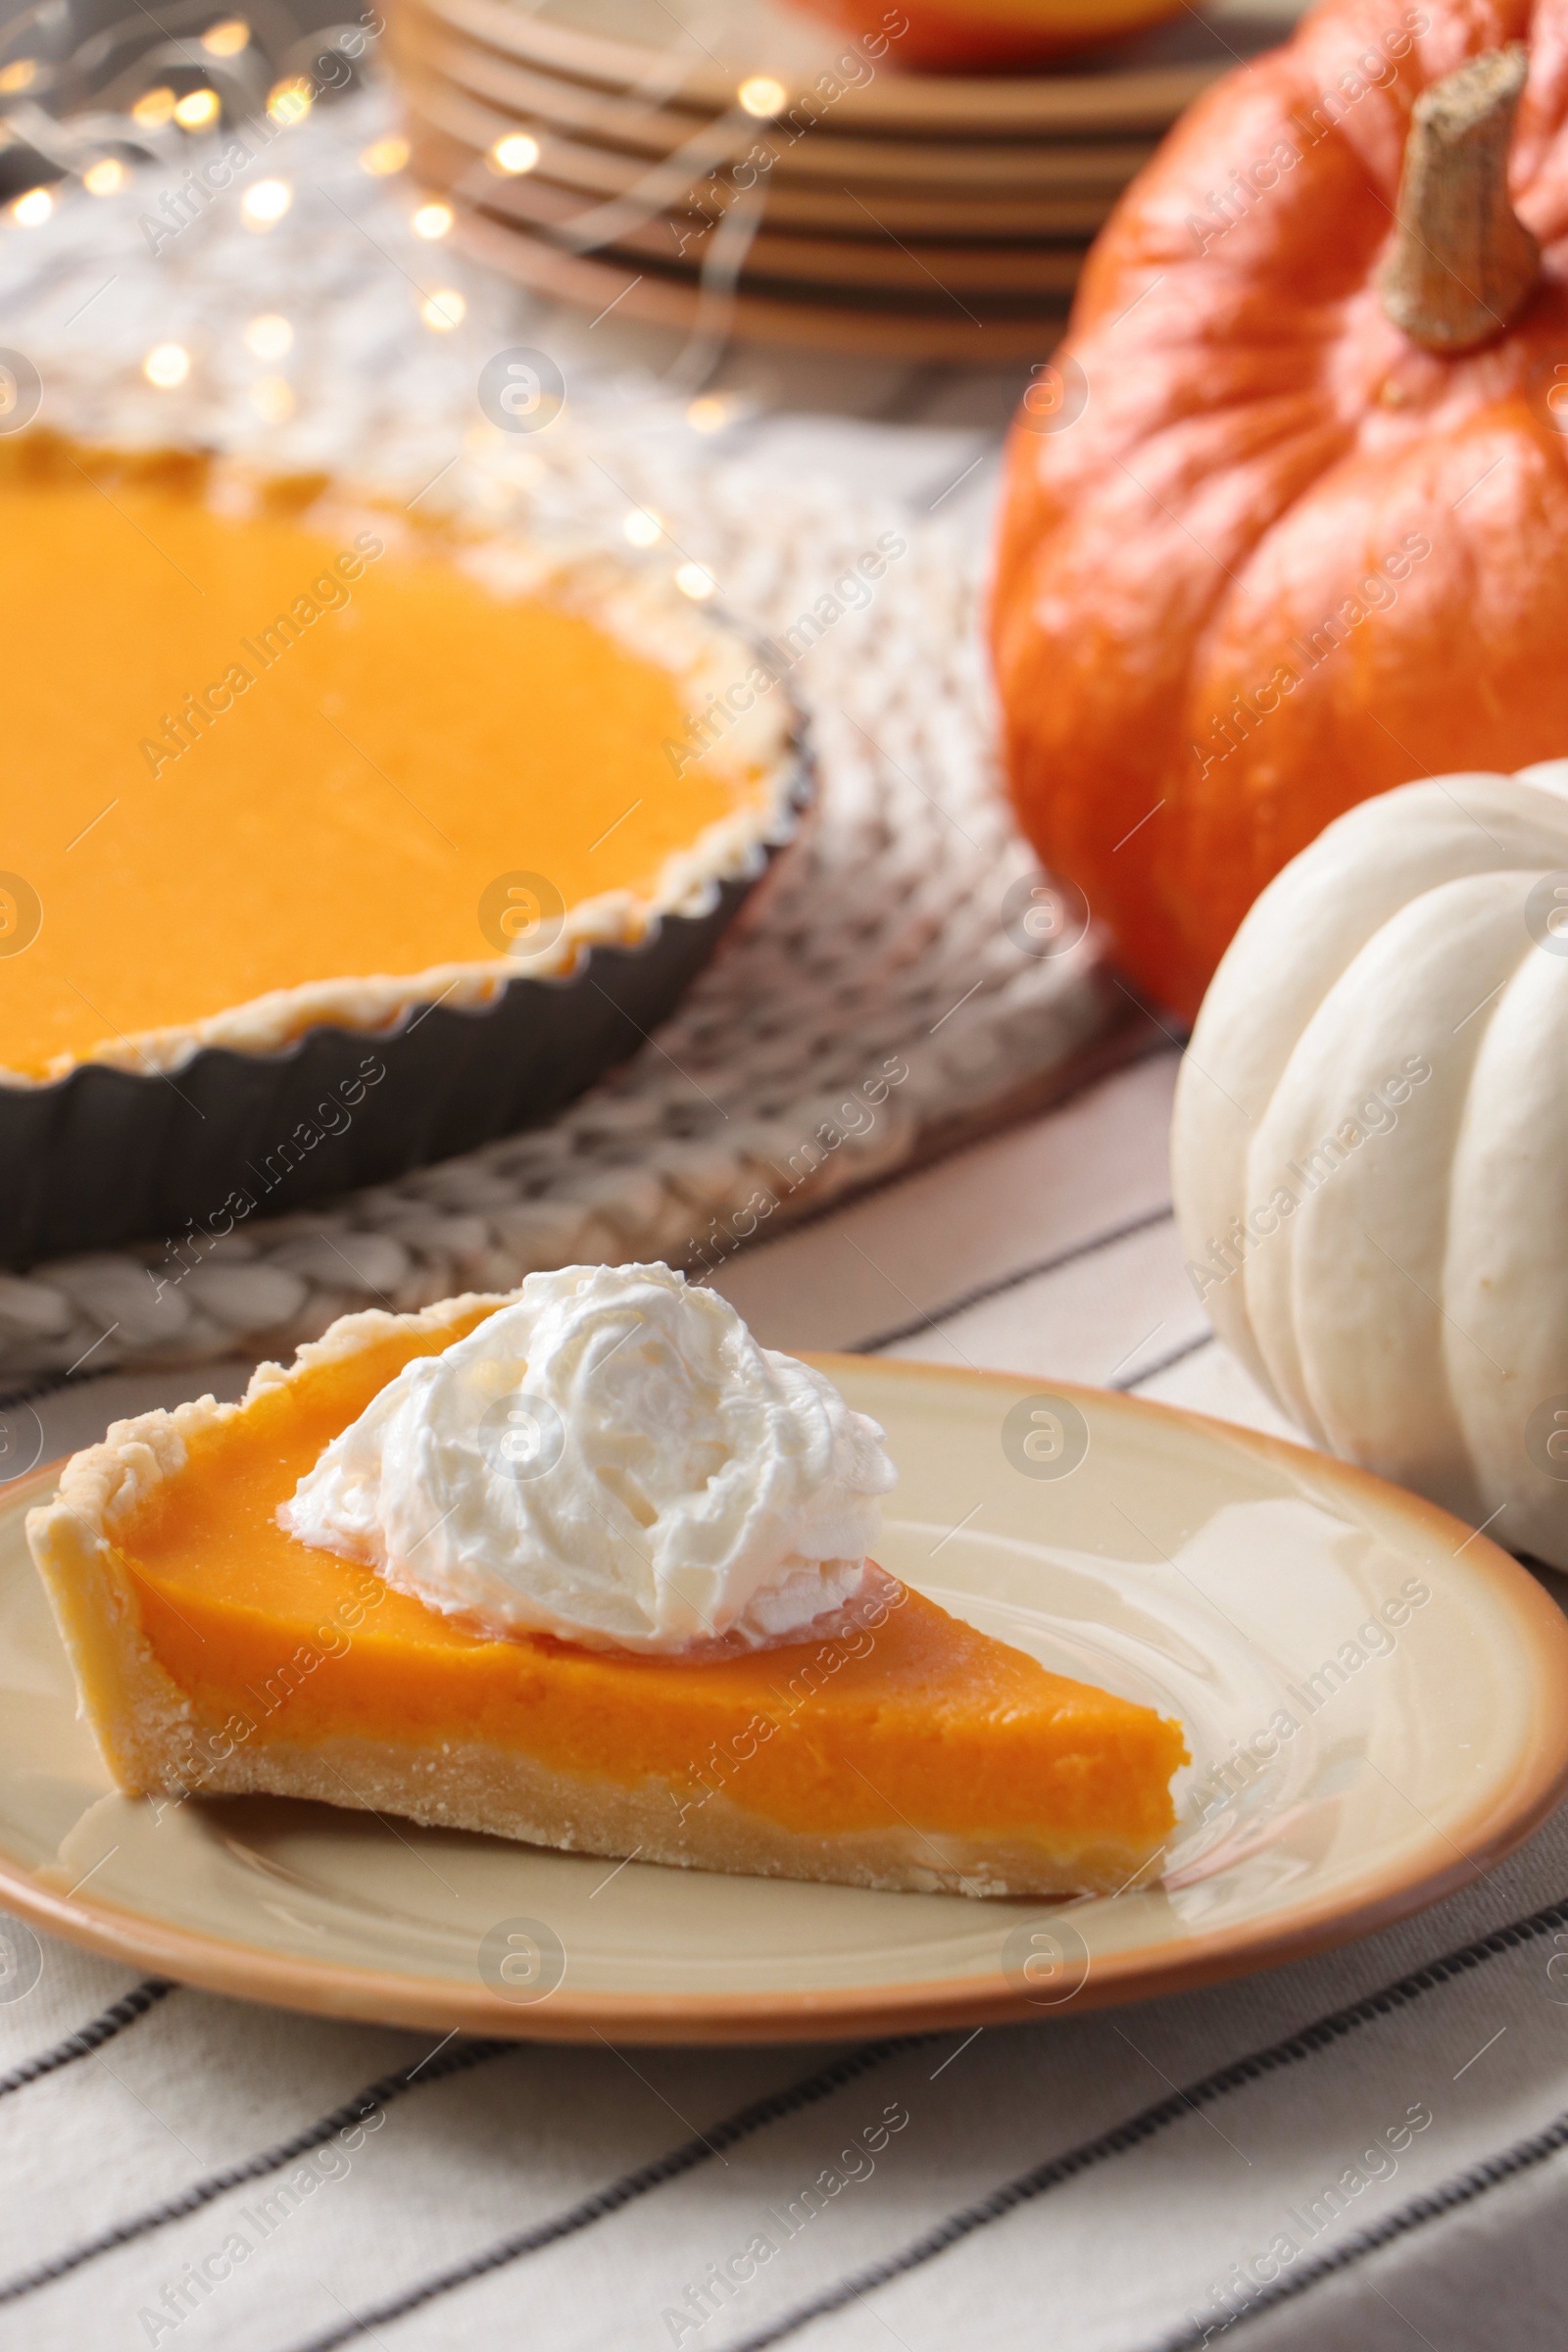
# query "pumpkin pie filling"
(895, 1746)
(261, 740)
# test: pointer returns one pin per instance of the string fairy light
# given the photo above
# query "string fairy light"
(167, 365)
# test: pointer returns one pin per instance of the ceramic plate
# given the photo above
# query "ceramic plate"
(664, 56)
(1376, 1701)
(855, 323)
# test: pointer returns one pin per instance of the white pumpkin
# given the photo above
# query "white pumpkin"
(1371, 1145)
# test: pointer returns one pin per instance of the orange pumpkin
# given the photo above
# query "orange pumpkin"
(1265, 551)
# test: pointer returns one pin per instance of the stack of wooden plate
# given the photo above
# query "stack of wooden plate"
(729, 167)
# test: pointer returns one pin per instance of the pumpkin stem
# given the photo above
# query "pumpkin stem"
(1463, 265)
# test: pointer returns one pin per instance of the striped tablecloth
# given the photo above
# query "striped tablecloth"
(1362, 2150)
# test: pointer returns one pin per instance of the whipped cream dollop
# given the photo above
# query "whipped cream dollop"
(613, 1459)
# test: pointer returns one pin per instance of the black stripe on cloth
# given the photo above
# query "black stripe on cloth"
(253, 2167)
(1164, 1363)
(1462, 2189)
(602, 2202)
(1144, 1222)
(910, 1171)
(90, 2037)
(1322, 2034)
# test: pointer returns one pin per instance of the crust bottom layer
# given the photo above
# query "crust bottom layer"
(511, 1796)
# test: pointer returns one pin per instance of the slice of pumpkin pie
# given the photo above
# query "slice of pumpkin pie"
(583, 1566)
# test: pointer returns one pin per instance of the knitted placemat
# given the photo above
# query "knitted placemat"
(886, 990)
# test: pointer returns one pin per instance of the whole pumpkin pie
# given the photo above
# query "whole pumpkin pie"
(295, 772)
(585, 1567)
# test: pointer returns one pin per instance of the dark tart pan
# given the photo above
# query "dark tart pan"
(108, 1155)
(103, 1154)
